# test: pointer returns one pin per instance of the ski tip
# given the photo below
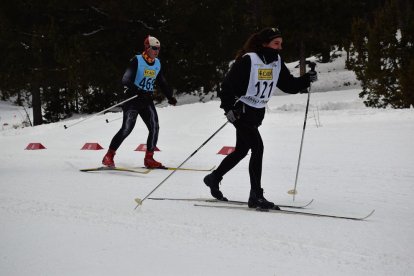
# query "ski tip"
(310, 202)
(370, 214)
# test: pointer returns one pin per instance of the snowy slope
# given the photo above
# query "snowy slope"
(56, 220)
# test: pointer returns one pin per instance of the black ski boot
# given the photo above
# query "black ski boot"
(257, 200)
(212, 181)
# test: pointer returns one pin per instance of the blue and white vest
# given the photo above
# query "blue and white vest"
(146, 74)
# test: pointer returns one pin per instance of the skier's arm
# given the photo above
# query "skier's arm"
(235, 83)
(128, 78)
(290, 84)
(161, 81)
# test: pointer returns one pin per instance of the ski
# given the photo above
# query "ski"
(230, 202)
(141, 171)
(287, 212)
(180, 169)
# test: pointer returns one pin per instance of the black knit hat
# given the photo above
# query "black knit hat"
(268, 34)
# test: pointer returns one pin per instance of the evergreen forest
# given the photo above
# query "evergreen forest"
(68, 56)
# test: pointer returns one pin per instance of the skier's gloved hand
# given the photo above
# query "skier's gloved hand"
(172, 101)
(233, 115)
(130, 91)
(313, 76)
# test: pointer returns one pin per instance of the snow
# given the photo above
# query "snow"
(56, 220)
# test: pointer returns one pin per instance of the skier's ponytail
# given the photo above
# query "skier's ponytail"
(253, 44)
(256, 41)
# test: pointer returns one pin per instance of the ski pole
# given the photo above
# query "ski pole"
(109, 108)
(294, 191)
(140, 201)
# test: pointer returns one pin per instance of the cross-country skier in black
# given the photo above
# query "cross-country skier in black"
(139, 79)
(245, 91)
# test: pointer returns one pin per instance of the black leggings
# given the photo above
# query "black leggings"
(247, 137)
(148, 114)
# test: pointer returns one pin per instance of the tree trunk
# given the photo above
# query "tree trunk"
(19, 98)
(326, 53)
(302, 58)
(37, 106)
(302, 61)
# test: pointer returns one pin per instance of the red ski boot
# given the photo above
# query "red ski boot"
(108, 159)
(149, 161)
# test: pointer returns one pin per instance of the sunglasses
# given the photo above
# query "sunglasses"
(155, 48)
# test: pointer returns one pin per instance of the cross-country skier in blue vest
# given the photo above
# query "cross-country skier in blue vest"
(143, 73)
(246, 89)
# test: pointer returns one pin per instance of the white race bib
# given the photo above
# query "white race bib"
(263, 79)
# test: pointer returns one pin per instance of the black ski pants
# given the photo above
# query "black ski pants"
(247, 138)
(148, 114)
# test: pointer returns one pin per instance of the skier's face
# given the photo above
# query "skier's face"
(153, 51)
(276, 43)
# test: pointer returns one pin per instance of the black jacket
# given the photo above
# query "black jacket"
(237, 79)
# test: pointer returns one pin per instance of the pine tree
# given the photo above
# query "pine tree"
(382, 55)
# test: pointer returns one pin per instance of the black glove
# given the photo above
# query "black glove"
(233, 115)
(172, 101)
(313, 76)
(129, 92)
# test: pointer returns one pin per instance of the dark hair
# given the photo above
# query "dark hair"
(255, 42)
